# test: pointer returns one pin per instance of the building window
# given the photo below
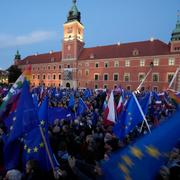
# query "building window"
(34, 76)
(116, 77)
(96, 86)
(59, 66)
(127, 63)
(141, 76)
(59, 76)
(105, 86)
(106, 64)
(142, 63)
(135, 52)
(44, 76)
(155, 77)
(49, 76)
(49, 67)
(126, 77)
(87, 64)
(156, 62)
(54, 76)
(68, 66)
(96, 64)
(38, 76)
(79, 73)
(171, 61)
(169, 77)
(54, 67)
(155, 88)
(96, 77)
(87, 72)
(38, 68)
(116, 64)
(128, 88)
(105, 77)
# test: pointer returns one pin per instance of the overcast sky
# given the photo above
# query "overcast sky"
(36, 26)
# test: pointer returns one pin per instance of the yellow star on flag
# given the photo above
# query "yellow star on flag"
(123, 168)
(136, 152)
(35, 149)
(41, 145)
(25, 147)
(42, 123)
(14, 118)
(29, 150)
(152, 151)
(127, 160)
(127, 177)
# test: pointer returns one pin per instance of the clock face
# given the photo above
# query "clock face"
(69, 47)
(69, 30)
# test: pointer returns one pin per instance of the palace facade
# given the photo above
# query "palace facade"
(124, 64)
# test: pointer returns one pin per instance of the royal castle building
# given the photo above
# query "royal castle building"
(124, 64)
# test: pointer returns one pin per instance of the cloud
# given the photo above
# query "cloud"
(7, 40)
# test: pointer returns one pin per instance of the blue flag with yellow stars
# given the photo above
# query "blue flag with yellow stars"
(43, 114)
(22, 121)
(143, 159)
(145, 101)
(129, 118)
(34, 148)
(82, 107)
(26, 115)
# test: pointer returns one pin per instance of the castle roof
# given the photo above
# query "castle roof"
(124, 50)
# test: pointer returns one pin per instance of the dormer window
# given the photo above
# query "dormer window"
(135, 52)
(91, 56)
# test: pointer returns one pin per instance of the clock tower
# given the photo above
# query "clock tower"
(73, 41)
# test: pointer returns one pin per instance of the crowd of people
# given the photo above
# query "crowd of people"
(82, 143)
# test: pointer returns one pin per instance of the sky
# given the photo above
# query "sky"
(36, 26)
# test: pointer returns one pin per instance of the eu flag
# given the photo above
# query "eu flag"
(43, 114)
(144, 102)
(130, 117)
(34, 148)
(22, 121)
(82, 107)
(26, 115)
(71, 101)
(143, 159)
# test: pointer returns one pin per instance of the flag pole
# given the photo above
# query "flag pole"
(174, 77)
(138, 88)
(47, 150)
(140, 109)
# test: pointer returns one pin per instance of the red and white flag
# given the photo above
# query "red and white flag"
(109, 114)
(120, 105)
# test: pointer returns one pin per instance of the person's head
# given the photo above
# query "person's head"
(13, 175)
(174, 153)
(32, 166)
(164, 172)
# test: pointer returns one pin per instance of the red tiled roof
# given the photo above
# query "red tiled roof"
(42, 58)
(145, 48)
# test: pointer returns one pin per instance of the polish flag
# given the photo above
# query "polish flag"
(109, 114)
(120, 105)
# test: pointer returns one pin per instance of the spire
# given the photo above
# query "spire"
(74, 14)
(176, 32)
(17, 55)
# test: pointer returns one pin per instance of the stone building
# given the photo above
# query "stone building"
(123, 64)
